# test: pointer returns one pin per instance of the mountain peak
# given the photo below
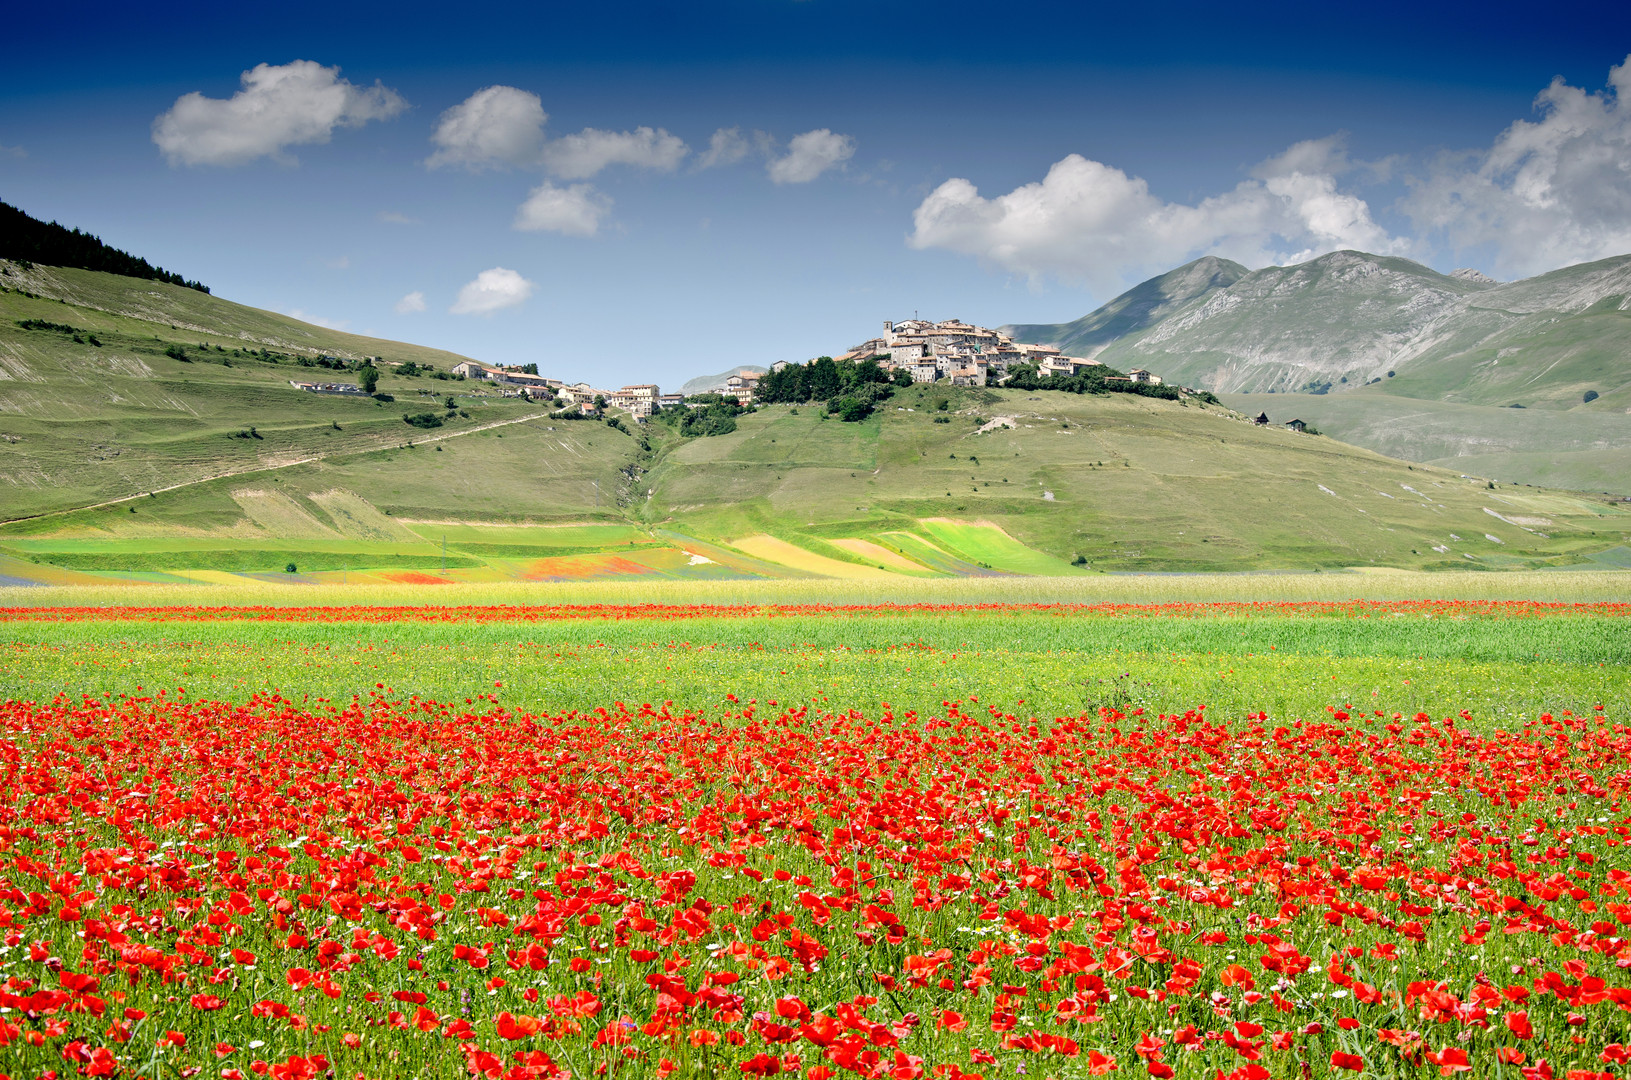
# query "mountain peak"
(1139, 307)
(1473, 277)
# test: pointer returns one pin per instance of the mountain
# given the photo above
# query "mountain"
(1361, 327)
(1344, 319)
(1139, 307)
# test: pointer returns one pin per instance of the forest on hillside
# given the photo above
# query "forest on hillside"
(27, 239)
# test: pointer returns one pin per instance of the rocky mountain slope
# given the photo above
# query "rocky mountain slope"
(1137, 308)
(1358, 328)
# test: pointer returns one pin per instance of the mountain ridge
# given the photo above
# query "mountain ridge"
(1141, 306)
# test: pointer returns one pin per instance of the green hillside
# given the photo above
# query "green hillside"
(142, 449)
(112, 386)
(155, 308)
(1589, 450)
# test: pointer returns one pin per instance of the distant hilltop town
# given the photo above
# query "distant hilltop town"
(967, 355)
(958, 352)
(915, 350)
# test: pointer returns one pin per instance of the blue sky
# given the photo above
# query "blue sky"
(996, 163)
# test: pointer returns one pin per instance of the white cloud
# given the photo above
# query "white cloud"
(342, 262)
(574, 210)
(580, 156)
(392, 217)
(1548, 192)
(295, 104)
(494, 127)
(1087, 221)
(414, 301)
(13, 151)
(504, 126)
(809, 155)
(493, 290)
(725, 147)
(316, 320)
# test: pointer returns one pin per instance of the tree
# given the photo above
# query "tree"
(822, 379)
(368, 378)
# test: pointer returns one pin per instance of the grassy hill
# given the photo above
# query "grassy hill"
(138, 448)
(112, 386)
(1384, 337)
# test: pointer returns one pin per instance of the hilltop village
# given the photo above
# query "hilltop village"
(915, 350)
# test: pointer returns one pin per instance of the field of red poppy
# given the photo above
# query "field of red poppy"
(1251, 841)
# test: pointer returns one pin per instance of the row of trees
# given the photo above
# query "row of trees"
(1092, 381)
(824, 379)
(851, 389)
(27, 239)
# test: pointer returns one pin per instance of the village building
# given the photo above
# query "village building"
(1296, 425)
(1066, 365)
(742, 386)
(469, 369)
(640, 400)
(581, 394)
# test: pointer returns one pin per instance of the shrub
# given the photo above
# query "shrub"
(1591, 395)
(422, 420)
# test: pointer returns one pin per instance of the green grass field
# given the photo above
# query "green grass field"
(1290, 666)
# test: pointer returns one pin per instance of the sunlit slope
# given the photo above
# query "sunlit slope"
(1123, 482)
(83, 422)
(154, 308)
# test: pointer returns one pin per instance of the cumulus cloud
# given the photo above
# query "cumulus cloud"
(725, 147)
(13, 151)
(1548, 192)
(493, 290)
(503, 126)
(1090, 222)
(809, 155)
(572, 211)
(580, 156)
(413, 302)
(492, 128)
(392, 217)
(295, 104)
